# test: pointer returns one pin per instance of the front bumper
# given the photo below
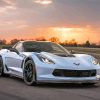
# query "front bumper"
(53, 79)
(45, 74)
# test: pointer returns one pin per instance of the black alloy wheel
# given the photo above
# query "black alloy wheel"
(29, 73)
(1, 67)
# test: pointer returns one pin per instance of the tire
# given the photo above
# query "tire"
(88, 84)
(29, 73)
(1, 67)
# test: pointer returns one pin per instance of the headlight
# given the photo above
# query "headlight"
(45, 59)
(95, 61)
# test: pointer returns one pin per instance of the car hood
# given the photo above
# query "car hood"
(78, 60)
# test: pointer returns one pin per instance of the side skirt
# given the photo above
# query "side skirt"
(18, 72)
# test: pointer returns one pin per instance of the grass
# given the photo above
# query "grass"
(84, 49)
(5, 46)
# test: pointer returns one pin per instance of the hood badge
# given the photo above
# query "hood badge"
(77, 64)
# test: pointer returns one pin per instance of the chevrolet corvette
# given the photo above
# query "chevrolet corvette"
(39, 61)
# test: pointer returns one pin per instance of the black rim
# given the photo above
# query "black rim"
(1, 67)
(29, 72)
(0, 70)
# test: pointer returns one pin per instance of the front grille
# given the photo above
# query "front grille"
(74, 73)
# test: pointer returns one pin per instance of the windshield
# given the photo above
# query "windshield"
(44, 47)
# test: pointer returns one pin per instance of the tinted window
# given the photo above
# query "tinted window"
(43, 46)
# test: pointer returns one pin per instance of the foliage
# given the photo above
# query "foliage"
(71, 43)
(3, 42)
(54, 39)
(40, 39)
(87, 44)
(14, 41)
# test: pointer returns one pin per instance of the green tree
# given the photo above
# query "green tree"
(73, 42)
(3, 42)
(14, 41)
(87, 44)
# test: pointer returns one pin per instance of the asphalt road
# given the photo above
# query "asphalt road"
(12, 88)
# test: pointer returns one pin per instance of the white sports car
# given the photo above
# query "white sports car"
(48, 62)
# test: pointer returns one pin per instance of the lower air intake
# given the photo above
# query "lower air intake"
(74, 73)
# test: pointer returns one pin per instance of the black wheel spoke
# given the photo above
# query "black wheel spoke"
(29, 73)
(1, 67)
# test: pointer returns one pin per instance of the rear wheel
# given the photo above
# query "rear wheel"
(29, 73)
(1, 67)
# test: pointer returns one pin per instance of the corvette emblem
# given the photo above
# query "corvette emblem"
(77, 64)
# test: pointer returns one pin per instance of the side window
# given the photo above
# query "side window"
(19, 47)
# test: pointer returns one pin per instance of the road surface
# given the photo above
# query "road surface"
(12, 88)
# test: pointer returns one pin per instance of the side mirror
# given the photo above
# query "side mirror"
(72, 51)
(14, 50)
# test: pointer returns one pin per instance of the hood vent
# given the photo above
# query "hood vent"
(64, 55)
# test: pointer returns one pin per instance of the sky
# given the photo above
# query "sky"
(65, 19)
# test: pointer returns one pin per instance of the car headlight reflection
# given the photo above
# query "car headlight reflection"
(95, 61)
(45, 59)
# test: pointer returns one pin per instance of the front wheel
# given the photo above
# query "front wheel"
(29, 73)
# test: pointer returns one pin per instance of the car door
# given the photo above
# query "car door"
(14, 60)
